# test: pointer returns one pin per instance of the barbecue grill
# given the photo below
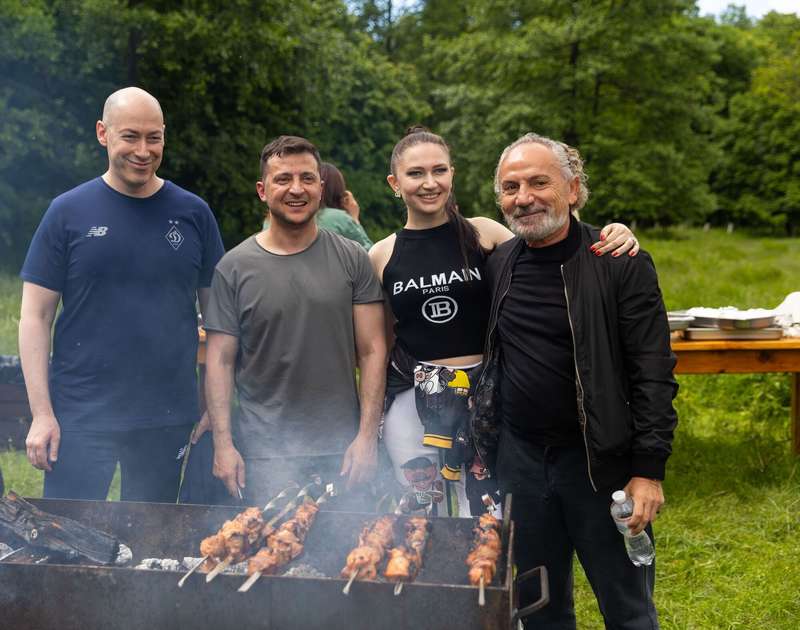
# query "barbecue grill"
(78, 595)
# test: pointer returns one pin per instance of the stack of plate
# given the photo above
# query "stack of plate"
(726, 323)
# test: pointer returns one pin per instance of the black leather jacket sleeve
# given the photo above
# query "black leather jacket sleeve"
(648, 365)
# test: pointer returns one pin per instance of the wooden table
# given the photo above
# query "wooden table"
(745, 357)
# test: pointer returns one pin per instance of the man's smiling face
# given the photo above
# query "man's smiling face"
(291, 187)
(535, 196)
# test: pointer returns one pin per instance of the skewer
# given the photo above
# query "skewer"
(192, 570)
(268, 506)
(398, 588)
(219, 568)
(481, 593)
(282, 494)
(11, 553)
(329, 492)
(346, 589)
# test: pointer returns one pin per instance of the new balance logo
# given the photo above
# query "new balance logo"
(97, 230)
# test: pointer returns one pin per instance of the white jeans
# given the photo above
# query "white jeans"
(402, 435)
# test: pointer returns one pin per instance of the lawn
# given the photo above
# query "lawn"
(727, 539)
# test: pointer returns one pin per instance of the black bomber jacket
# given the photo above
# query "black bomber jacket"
(623, 361)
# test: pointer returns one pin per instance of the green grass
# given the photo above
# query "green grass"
(10, 295)
(27, 481)
(728, 539)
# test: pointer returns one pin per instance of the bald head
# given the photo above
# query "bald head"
(127, 100)
(132, 130)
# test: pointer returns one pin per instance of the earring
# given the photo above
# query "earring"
(397, 193)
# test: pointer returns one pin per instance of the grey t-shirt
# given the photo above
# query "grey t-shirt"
(293, 315)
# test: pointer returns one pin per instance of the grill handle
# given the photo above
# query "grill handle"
(544, 591)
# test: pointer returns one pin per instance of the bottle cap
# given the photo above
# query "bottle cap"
(619, 496)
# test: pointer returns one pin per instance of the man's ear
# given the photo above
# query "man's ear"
(574, 189)
(261, 191)
(102, 132)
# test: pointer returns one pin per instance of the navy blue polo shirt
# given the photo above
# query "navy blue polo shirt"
(128, 270)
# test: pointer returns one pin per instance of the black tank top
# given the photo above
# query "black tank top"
(441, 309)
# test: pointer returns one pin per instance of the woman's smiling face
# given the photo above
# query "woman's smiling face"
(424, 178)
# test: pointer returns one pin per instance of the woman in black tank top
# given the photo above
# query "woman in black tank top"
(433, 273)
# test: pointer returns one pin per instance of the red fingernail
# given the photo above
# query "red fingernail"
(602, 237)
(615, 254)
(597, 253)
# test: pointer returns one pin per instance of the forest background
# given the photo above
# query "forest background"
(682, 119)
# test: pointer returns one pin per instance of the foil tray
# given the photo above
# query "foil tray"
(729, 318)
(679, 322)
(747, 323)
(717, 334)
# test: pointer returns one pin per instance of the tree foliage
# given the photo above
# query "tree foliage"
(680, 118)
(758, 181)
(628, 83)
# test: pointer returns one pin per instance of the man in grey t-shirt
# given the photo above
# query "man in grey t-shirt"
(293, 310)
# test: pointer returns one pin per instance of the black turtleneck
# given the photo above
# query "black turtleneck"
(538, 392)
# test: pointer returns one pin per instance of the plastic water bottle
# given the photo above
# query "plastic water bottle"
(639, 546)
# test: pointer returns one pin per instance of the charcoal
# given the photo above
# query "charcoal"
(305, 571)
(59, 536)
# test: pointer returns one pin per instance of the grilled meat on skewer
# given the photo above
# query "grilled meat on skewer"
(232, 542)
(486, 550)
(406, 561)
(285, 544)
(362, 562)
(402, 565)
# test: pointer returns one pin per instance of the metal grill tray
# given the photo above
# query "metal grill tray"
(716, 334)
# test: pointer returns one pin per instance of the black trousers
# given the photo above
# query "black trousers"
(557, 513)
(148, 460)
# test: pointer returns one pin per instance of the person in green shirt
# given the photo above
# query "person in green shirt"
(339, 212)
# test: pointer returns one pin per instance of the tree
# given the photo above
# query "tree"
(758, 181)
(54, 72)
(230, 77)
(627, 83)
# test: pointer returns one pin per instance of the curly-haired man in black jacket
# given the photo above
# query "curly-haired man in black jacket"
(576, 397)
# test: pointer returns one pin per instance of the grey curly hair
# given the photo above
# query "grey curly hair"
(568, 158)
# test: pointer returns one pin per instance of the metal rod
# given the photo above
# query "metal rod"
(11, 553)
(192, 570)
(277, 498)
(250, 581)
(481, 593)
(219, 568)
(346, 589)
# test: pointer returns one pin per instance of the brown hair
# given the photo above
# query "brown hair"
(287, 145)
(468, 239)
(334, 189)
